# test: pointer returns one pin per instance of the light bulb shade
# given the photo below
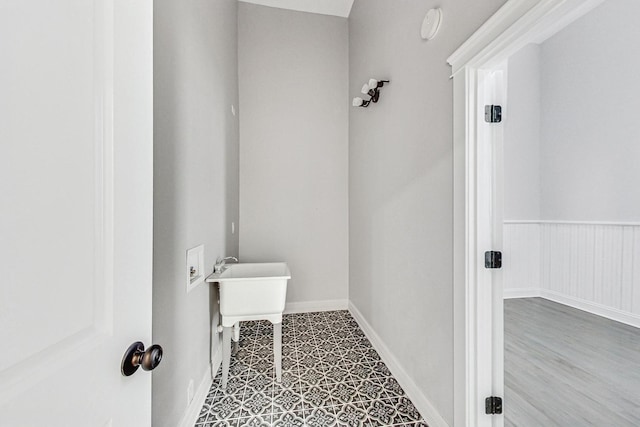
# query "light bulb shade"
(373, 83)
(365, 89)
(357, 101)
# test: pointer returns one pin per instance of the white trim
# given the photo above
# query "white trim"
(513, 26)
(539, 221)
(592, 307)
(487, 32)
(193, 410)
(580, 304)
(311, 306)
(421, 402)
(340, 8)
(594, 266)
(216, 361)
(522, 293)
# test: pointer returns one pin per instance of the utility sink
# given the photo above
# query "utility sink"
(251, 291)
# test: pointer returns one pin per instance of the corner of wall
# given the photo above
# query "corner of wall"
(422, 403)
(195, 188)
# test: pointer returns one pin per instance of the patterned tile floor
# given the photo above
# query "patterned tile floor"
(331, 376)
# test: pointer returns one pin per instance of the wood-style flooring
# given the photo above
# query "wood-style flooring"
(565, 367)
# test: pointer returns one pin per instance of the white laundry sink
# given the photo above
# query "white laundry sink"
(252, 291)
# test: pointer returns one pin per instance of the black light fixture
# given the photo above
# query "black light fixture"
(373, 90)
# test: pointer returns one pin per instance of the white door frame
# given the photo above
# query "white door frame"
(478, 329)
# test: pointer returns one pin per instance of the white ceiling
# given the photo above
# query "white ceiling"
(323, 7)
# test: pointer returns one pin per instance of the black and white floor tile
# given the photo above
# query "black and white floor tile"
(332, 376)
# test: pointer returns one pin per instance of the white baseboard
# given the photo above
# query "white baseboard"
(311, 306)
(593, 308)
(216, 362)
(193, 410)
(521, 293)
(424, 406)
(625, 317)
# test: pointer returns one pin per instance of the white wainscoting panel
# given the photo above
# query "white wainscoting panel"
(590, 266)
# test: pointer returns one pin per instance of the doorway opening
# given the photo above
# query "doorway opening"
(479, 77)
(570, 225)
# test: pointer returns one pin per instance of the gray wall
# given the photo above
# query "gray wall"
(522, 136)
(195, 183)
(293, 72)
(571, 127)
(400, 183)
(591, 99)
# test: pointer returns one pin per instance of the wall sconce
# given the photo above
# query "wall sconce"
(373, 90)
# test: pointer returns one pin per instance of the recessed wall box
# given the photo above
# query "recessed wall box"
(195, 267)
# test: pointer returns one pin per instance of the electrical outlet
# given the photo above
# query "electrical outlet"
(190, 392)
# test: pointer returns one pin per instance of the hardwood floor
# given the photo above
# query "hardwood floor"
(565, 367)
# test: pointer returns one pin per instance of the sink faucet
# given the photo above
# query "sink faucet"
(219, 266)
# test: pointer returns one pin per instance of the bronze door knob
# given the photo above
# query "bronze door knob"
(136, 356)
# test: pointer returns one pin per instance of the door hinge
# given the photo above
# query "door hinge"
(493, 405)
(492, 113)
(493, 259)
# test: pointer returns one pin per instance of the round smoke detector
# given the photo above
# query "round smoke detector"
(431, 24)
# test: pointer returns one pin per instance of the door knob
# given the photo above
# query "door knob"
(136, 356)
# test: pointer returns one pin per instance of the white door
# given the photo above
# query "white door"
(491, 91)
(75, 210)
